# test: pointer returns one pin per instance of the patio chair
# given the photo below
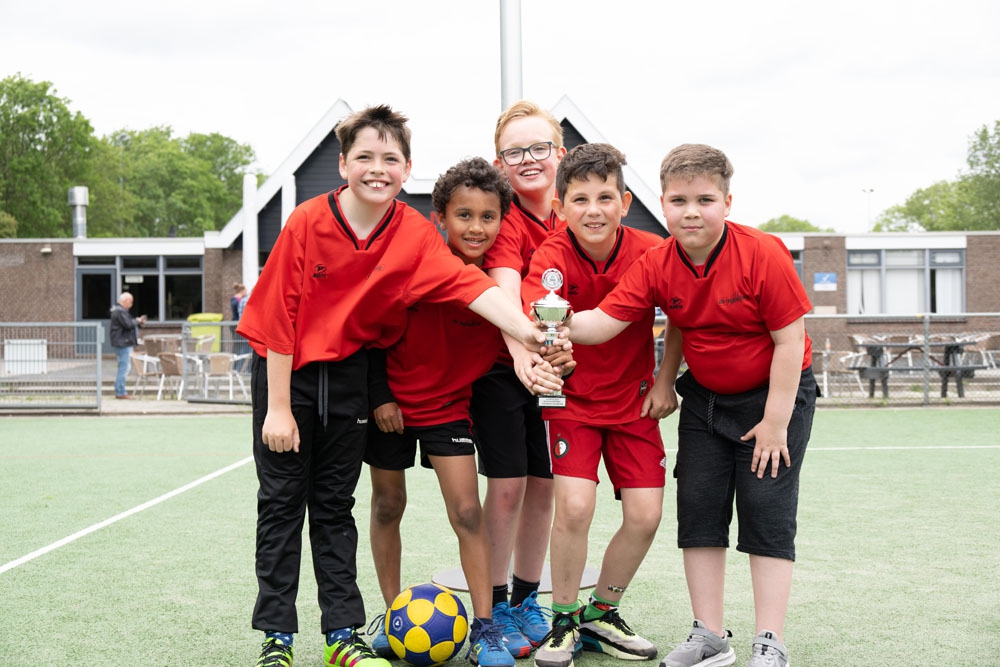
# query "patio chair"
(221, 365)
(840, 366)
(171, 367)
(145, 367)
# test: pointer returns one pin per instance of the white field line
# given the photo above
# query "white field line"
(124, 515)
(812, 450)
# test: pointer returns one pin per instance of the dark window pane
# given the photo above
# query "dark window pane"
(139, 262)
(145, 290)
(183, 296)
(92, 261)
(183, 262)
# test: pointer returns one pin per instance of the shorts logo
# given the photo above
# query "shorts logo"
(560, 448)
(362, 420)
(467, 441)
(643, 387)
(320, 271)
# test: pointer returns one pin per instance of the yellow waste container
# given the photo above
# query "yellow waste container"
(207, 330)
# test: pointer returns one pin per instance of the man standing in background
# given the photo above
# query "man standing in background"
(124, 335)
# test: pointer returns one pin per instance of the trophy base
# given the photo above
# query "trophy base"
(552, 401)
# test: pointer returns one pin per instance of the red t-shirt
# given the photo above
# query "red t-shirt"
(324, 293)
(612, 378)
(725, 308)
(430, 370)
(520, 233)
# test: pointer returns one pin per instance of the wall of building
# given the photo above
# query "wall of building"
(37, 286)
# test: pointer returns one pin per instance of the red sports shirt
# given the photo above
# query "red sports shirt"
(725, 308)
(430, 370)
(612, 378)
(520, 234)
(324, 293)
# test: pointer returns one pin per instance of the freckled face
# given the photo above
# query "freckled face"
(471, 221)
(695, 210)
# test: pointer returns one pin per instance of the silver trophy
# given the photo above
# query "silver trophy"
(550, 312)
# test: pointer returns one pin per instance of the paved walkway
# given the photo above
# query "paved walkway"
(150, 406)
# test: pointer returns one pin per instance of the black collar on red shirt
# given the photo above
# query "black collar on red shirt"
(611, 258)
(711, 258)
(339, 217)
(548, 225)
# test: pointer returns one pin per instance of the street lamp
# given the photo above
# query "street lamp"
(869, 191)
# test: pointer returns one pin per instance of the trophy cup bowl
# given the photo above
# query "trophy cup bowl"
(551, 311)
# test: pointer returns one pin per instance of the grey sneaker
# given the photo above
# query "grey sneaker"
(768, 651)
(611, 634)
(703, 648)
(561, 644)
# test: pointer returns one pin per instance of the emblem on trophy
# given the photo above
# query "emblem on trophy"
(550, 312)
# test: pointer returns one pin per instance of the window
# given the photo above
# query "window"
(905, 282)
(165, 287)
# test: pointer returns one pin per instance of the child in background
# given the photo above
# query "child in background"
(748, 396)
(340, 277)
(605, 414)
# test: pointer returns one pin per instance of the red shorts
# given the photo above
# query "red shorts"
(633, 452)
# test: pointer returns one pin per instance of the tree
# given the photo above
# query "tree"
(969, 203)
(787, 223)
(8, 226)
(44, 150)
(153, 184)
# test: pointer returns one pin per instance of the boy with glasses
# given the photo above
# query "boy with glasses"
(508, 423)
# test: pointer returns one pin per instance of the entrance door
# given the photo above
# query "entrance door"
(96, 288)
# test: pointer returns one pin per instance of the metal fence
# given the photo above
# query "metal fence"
(51, 365)
(206, 362)
(858, 361)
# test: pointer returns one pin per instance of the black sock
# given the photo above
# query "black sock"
(521, 589)
(499, 594)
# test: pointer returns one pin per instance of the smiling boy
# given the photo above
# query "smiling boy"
(749, 395)
(340, 277)
(509, 428)
(606, 399)
(420, 395)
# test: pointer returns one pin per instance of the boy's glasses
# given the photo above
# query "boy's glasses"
(515, 156)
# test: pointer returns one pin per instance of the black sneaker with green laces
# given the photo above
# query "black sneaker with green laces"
(275, 653)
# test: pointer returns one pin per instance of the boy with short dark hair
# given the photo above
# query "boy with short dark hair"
(748, 396)
(509, 428)
(419, 394)
(340, 277)
(605, 412)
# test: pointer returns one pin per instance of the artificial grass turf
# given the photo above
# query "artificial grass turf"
(896, 547)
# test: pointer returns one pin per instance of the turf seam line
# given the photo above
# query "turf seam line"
(124, 515)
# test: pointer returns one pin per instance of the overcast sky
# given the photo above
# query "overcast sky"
(814, 103)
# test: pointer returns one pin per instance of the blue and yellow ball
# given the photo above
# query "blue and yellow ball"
(426, 625)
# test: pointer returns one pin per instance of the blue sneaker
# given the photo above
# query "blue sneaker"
(486, 646)
(379, 642)
(532, 619)
(517, 644)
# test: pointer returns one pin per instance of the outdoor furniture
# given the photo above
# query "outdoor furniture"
(145, 367)
(222, 365)
(840, 366)
(172, 369)
(945, 358)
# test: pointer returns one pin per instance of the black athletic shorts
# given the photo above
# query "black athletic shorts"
(395, 451)
(713, 470)
(510, 434)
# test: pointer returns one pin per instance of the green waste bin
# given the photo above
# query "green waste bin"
(207, 330)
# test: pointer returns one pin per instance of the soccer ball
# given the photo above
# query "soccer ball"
(426, 625)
